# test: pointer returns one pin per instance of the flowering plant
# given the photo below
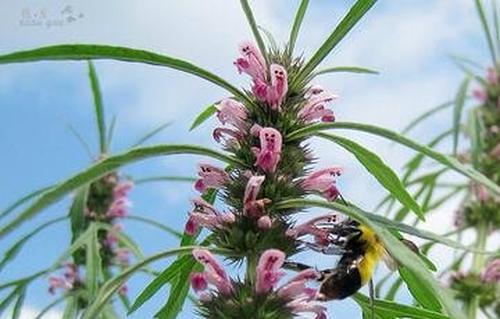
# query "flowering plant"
(268, 178)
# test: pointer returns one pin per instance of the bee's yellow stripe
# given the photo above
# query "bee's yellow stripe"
(373, 254)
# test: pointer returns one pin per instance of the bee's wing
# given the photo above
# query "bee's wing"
(389, 261)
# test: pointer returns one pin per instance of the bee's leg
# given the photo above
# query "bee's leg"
(295, 266)
(327, 250)
(372, 298)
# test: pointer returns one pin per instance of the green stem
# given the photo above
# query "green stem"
(477, 265)
(252, 261)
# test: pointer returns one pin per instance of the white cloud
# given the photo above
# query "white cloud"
(29, 312)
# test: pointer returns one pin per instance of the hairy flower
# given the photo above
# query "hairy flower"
(491, 273)
(227, 137)
(323, 182)
(232, 112)
(315, 107)
(251, 61)
(67, 281)
(210, 177)
(206, 215)
(269, 153)
(251, 205)
(214, 272)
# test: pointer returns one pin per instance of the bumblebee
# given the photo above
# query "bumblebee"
(360, 250)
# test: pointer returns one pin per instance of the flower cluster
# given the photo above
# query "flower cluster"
(106, 201)
(274, 169)
(260, 299)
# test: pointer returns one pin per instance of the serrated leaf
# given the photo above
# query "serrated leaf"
(203, 116)
(104, 166)
(378, 169)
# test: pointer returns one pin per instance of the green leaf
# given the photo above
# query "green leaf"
(426, 115)
(356, 12)
(151, 134)
(203, 116)
(174, 305)
(12, 252)
(253, 26)
(7, 211)
(378, 169)
(457, 112)
(476, 134)
(441, 158)
(124, 240)
(297, 22)
(92, 51)
(155, 224)
(422, 294)
(166, 178)
(50, 306)
(99, 108)
(71, 308)
(395, 247)
(9, 299)
(112, 285)
(348, 69)
(486, 30)
(396, 310)
(80, 139)
(393, 290)
(107, 165)
(494, 9)
(165, 277)
(111, 131)
(77, 219)
(18, 306)
(93, 261)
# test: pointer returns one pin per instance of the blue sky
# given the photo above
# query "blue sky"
(407, 41)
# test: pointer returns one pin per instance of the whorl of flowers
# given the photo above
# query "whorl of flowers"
(263, 298)
(106, 202)
(275, 169)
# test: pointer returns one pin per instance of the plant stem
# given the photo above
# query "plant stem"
(477, 265)
(251, 268)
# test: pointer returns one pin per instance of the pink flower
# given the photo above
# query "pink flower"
(122, 256)
(232, 112)
(269, 153)
(67, 281)
(315, 107)
(492, 76)
(199, 281)
(264, 222)
(268, 271)
(272, 93)
(122, 189)
(491, 274)
(252, 61)
(300, 297)
(480, 191)
(251, 205)
(207, 216)
(119, 208)
(112, 235)
(123, 290)
(227, 137)
(59, 283)
(210, 177)
(323, 182)
(495, 152)
(314, 228)
(480, 94)
(214, 272)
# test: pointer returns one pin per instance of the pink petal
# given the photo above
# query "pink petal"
(264, 222)
(268, 270)
(199, 281)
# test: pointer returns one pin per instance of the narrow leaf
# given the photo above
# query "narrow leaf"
(378, 169)
(98, 107)
(426, 115)
(149, 135)
(166, 178)
(457, 112)
(90, 51)
(111, 131)
(422, 294)
(93, 264)
(486, 30)
(155, 224)
(356, 12)
(441, 158)
(348, 69)
(297, 22)
(105, 166)
(23, 200)
(203, 116)
(253, 26)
